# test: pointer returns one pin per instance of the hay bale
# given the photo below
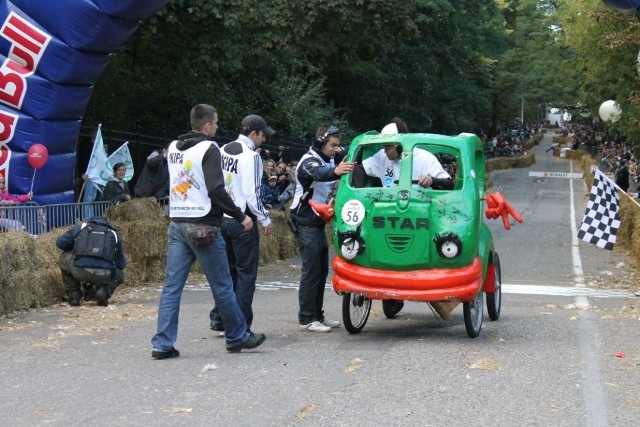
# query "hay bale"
(24, 280)
(563, 140)
(47, 253)
(145, 246)
(18, 254)
(269, 248)
(143, 209)
(500, 163)
(279, 245)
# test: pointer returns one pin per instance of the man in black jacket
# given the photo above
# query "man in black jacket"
(154, 178)
(316, 177)
(93, 254)
(622, 175)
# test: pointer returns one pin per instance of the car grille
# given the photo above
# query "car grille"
(399, 243)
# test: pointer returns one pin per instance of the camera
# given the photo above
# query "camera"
(283, 148)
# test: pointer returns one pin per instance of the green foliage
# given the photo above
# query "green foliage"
(301, 63)
(606, 42)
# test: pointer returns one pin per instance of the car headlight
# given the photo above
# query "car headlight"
(351, 243)
(350, 248)
(448, 245)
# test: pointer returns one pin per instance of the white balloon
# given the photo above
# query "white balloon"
(610, 111)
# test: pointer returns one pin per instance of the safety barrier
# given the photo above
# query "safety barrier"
(38, 219)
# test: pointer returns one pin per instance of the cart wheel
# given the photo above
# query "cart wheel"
(494, 299)
(391, 307)
(473, 315)
(355, 312)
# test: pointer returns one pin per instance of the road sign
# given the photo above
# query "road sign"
(556, 175)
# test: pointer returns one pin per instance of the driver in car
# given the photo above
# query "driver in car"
(385, 164)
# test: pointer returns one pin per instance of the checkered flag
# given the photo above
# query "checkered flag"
(601, 221)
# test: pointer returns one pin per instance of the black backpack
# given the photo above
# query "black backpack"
(97, 241)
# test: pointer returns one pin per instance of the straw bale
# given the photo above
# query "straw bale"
(628, 235)
(288, 245)
(47, 253)
(500, 163)
(144, 238)
(141, 272)
(574, 154)
(139, 209)
(269, 248)
(24, 280)
(145, 246)
(280, 244)
(18, 254)
(533, 141)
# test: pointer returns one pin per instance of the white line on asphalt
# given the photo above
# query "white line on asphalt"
(581, 301)
(592, 392)
(566, 291)
(511, 288)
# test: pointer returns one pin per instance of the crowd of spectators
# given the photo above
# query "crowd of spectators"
(509, 140)
(278, 184)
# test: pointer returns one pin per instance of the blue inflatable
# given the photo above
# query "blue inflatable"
(51, 54)
(626, 6)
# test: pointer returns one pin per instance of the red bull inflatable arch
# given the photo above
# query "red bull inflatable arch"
(52, 52)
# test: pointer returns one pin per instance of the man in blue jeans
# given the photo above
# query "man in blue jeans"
(242, 168)
(197, 201)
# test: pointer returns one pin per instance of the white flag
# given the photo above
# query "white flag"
(99, 169)
(122, 155)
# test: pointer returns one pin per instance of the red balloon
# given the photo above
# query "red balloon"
(37, 156)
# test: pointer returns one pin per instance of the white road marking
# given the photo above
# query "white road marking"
(555, 175)
(566, 291)
(507, 288)
(581, 301)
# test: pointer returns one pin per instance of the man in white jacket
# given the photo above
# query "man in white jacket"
(242, 171)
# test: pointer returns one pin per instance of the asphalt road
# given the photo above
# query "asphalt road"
(563, 353)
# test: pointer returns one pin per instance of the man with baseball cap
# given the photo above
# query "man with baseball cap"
(253, 122)
(242, 170)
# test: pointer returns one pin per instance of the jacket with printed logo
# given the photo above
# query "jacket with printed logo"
(207, 166)
(315, 179)
(242, 170)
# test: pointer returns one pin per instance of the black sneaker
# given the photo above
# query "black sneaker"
(216, 326)
(74, 301)
(102, 296)
(255, 340)
(169, 354)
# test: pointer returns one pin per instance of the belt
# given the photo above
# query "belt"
(99, 271)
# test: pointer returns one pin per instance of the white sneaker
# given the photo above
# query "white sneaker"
(331, 323)
(315, 327)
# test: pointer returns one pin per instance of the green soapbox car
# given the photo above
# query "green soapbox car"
(402, 242)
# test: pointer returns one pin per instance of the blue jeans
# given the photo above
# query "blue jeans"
(243, 256)
(89, 195)
(314, 252)
(181, 255)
